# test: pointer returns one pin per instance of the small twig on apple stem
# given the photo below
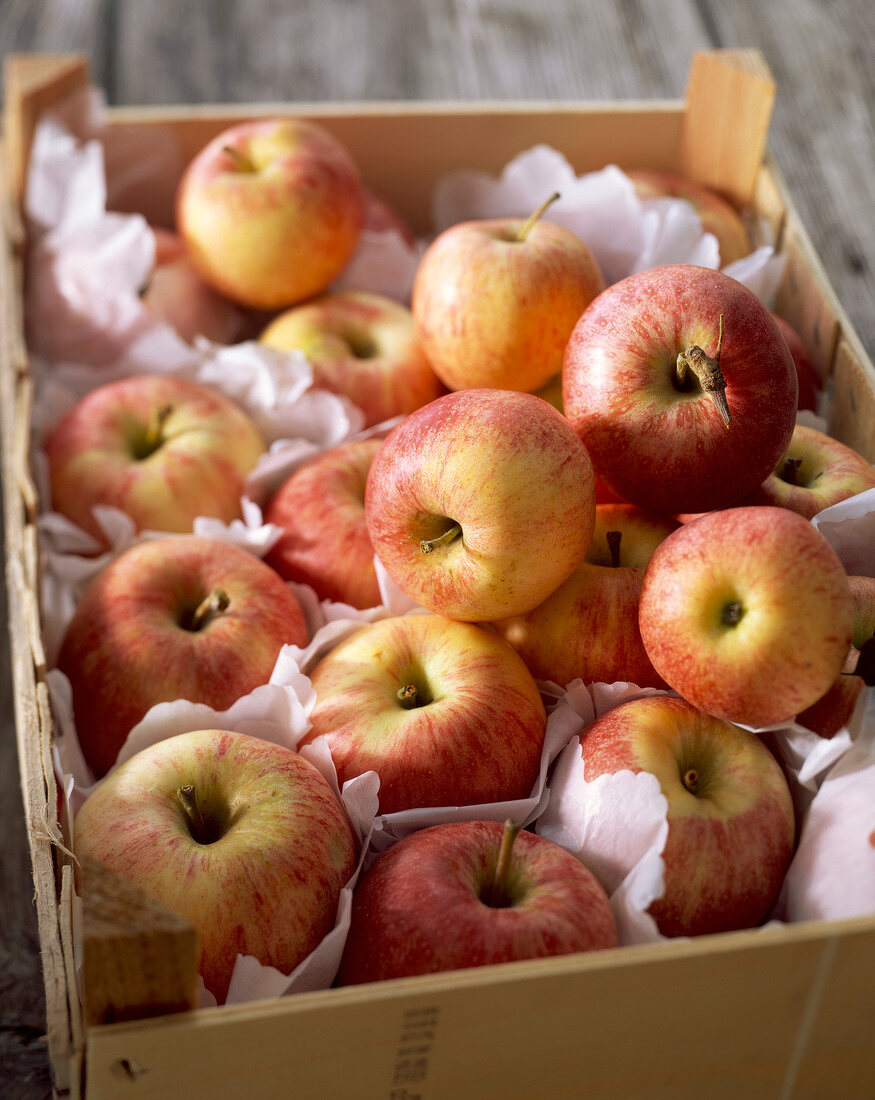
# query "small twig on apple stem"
(707, 371)
(214, 604)
(498, 894)
(406, 696)
(241, 161)
(613, 539)
(427, 545)
(526, 227)
(790, 469)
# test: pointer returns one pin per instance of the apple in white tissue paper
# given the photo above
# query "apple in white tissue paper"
(243, 838)
(162, 449)
(445, 713)
(728, 807)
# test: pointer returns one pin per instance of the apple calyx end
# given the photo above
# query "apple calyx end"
(241, 162)
(708, 373)
(526, 227)
(427, 546)
(732, 613)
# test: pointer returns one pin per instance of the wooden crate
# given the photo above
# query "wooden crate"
(780, 1012)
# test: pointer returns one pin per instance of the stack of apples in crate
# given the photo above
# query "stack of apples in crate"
(646, 528)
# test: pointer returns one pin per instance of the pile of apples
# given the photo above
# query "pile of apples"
(643, 522)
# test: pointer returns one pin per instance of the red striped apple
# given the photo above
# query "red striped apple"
(444, 712)
(588, 627)
(730, 814)
(270, 211)
(481, 503)
(321, 510)
(816, 472)
(242, 837)
(164, 450)
(714, 212)
(682, 388)
(495, 301)
(458, 895)
(810, 384)
(361, 345)
(747, 614)
(177, 618)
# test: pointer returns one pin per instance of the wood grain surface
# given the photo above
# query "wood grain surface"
(165, 51)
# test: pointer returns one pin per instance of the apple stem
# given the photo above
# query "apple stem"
(691, 780)
(155, 432)
(791, 468)
(188, 799)
(214, 604)
(708, 372)
(241, 161)
(613, 538)
(406, 696)
(498, 893)
(427, 545)
(526, 227)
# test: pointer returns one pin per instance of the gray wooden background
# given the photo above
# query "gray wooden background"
(821, 52)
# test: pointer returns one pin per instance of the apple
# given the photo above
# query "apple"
(714, 212)
(179, 296)
(362, 345)
(469, 894)
(325, 543)
(242, 837)
(495, 300)
(816, 472)
(381, 215)
(588, 627)
(834, 709)
(681, 386)
(173, 618)
(162, 449)
(747, 614)
(444, 712)
(270, 211)
(810, 384)
(730, 813)
(481, 503)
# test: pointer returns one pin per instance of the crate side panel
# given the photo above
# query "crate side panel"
(656, 1023)
(431, 141)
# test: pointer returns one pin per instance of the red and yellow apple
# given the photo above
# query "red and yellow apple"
(444, 712)
(588, 627)
(270, 211)
(682, 388)
(321, 510)
(747, 613)
(495, 301)
(242, 837)
(164, 450)
(810, 384)
(816, 472)
(481, 503)
(175, 618)
(361, 345)
(730, 814)
(717, 215)
(458, 895)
